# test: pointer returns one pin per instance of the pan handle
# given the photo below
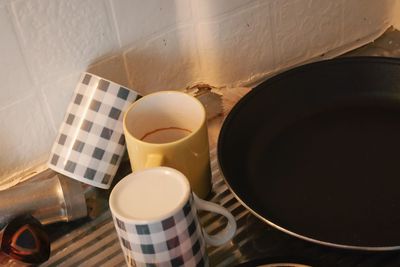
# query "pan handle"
(227, 233)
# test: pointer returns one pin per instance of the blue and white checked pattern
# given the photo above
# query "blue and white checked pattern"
(175, 241)
(90, 143)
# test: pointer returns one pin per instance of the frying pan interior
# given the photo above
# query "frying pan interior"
(315, 152)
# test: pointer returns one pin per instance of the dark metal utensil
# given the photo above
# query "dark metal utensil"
(25, 240)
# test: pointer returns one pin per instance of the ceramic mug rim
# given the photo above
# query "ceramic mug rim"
(186, 195)
(189, 136)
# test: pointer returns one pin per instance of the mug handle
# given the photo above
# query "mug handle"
(230, 229)
(154, 160)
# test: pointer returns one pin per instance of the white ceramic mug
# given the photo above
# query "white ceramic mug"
(155, 216)
(90, 141)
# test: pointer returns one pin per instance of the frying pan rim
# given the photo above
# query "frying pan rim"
(252, 93)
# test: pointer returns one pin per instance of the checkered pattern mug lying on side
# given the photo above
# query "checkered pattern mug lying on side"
(155, 216)
(90, 141)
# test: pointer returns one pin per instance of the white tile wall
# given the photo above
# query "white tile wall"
(155, 45)
(166, 62)
(299, 35)
(57, 95)
(396, 16)
(14, 76)
(24, 136)
(138, 19)
(232, 48)
(59, 37)
(209, 9)
(362, 18)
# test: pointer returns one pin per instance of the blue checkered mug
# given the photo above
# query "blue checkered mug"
(155, 217)
(90, 142)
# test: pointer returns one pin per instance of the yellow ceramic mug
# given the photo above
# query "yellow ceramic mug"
(169, 128)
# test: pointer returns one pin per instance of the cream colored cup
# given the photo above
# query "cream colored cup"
(169, 129)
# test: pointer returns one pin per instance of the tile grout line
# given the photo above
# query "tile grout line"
(16, 102)
(21, 42)
(48, 109)
(111, 9)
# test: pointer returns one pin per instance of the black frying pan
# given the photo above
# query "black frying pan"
(315, 152)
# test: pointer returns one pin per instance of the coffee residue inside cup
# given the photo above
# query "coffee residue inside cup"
(165, 135)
